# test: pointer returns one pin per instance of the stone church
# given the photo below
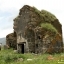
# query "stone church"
(37, 31)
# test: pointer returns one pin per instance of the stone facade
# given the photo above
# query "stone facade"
(11, 41)
(31, 37)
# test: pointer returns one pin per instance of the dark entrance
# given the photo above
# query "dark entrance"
(22, 47)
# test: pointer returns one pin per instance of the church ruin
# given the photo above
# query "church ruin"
(37, 31)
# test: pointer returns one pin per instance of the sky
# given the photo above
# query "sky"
(9, 9)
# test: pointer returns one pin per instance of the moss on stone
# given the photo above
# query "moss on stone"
(45, 15)
(48, 16)
(48, 26)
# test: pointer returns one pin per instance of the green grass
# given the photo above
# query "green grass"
(9, 57)
(45, 15)
(49, 26)
(49, 17)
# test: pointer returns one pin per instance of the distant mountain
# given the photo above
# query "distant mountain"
(3, 41)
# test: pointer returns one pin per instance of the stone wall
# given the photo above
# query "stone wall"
(56, 45)
(28, 25)
(57, 25)
(11, 40)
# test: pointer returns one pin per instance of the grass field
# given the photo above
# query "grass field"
(10, 57)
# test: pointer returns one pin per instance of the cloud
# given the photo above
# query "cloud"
(1, 18)
(3, 33)
(9, 9)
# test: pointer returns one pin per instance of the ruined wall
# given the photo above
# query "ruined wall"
(57, 25)
(11, 40)
(27, 19)
(27, 25)
(56, 45)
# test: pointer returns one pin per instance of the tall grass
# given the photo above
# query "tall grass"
(9, 57)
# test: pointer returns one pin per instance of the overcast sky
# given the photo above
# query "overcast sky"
(9, 9)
